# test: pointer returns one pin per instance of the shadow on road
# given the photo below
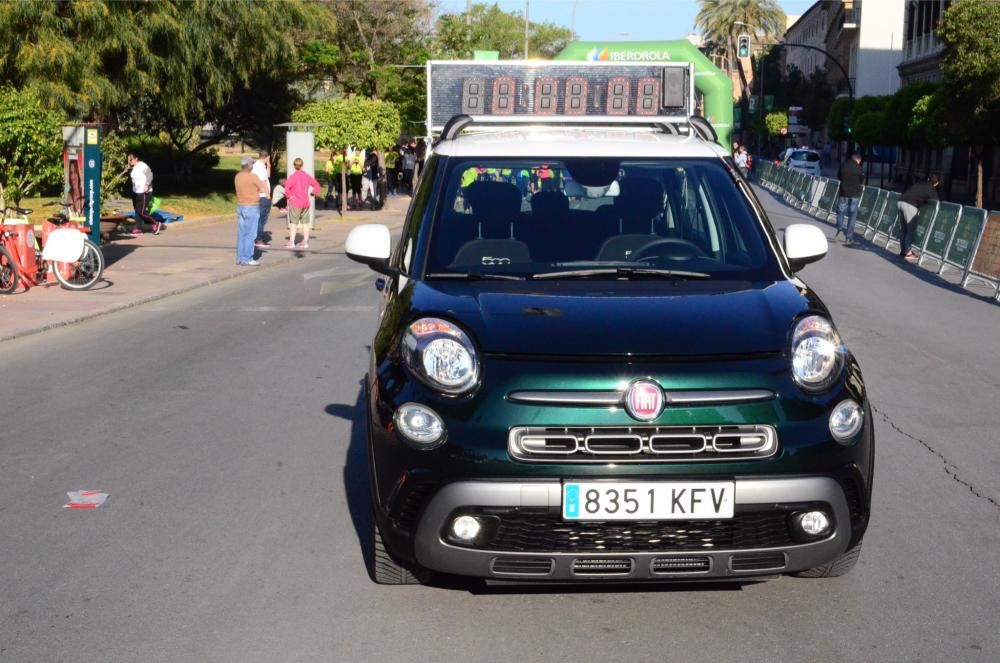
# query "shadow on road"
(356, 470)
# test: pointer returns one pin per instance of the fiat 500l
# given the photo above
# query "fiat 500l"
(603, 368)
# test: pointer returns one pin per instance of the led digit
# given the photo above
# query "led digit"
(647, 97)
(575, 97)
(618, 96)
(545, 95)
(473, 95)
(504, 96)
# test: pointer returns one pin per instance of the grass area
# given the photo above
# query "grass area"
(211, 195)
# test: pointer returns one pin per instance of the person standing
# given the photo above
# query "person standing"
(852, 182)
(909, 204)
(827, 154)
(741, 160)
(142, 189)
(357, 167)
(408, 160)
(370, 176)
(299, 189)
(248, 190)
(262, 170)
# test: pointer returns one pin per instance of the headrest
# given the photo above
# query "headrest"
(549, 203)
(493, 203)
(639, 197)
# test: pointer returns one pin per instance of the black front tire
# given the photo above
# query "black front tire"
(9, 275)
(835, 568)
(85, 272)
(385, 569)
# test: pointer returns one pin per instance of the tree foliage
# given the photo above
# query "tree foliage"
(720, 23)
(971, 66)
(165, 67)
(30, 144)
(356, 121)
(869, 128)
(376, 50)
(837, 120)
(899, 112)
(775, 122)
(489, 28)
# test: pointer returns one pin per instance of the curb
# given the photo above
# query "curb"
(337, 249)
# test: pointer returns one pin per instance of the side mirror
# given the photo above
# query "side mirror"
(804, 243)
(370, 244)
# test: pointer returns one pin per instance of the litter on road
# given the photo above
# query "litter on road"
(85, 499)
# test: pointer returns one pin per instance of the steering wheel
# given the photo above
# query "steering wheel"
(673, 248)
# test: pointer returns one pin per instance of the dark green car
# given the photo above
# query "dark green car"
(595, 363)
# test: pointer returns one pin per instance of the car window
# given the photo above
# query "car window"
(802, 155)
(526, 217)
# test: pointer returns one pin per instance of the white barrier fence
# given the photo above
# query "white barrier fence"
(948, 236)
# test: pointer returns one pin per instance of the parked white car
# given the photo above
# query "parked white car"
(806, 161)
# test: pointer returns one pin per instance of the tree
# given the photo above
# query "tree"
(356, 121)
(721, 21)
(970, 94)
(488, 28)
(30, 144)
(869, 128)
(775, 122)
(838, 121)
(165, 67)
(900, 109)
(377, 50)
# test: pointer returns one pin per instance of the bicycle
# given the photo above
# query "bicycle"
(75, 261)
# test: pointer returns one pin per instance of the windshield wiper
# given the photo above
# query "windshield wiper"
(475, 276)
(623, 273)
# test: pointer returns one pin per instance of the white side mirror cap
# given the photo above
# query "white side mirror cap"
(370, 244)
(804, 243)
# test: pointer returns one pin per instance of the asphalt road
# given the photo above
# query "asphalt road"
(225, 425)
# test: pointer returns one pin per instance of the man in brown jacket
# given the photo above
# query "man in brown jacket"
(248, 190)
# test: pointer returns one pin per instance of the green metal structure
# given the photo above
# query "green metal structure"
(711, 82)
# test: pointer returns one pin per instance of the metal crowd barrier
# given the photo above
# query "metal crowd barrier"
(947, 235)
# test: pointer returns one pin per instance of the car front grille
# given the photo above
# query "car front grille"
(641, 444)
(536, 531)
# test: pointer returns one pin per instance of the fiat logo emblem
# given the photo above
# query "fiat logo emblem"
(644, 400)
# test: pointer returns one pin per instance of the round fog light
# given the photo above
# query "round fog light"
(846, 420)
(813, 523)
(419, 425)
(465, 528)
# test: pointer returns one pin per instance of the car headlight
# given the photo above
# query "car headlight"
(817, 353)
(441, 355)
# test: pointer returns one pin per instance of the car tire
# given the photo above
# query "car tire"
(835, 568)
(386, 570)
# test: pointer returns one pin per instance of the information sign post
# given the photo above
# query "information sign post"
(92, 163)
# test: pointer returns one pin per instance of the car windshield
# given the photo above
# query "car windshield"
(802, 155)
(595, 218)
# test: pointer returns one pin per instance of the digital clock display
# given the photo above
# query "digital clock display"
(524, 90)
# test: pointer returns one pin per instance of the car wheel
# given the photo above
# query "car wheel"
(386, 570)
(835, 568)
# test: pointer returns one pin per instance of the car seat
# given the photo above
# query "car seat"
(639, 201)
(496, 207)
(548, 233)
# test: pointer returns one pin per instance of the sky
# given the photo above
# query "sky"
(615, 20)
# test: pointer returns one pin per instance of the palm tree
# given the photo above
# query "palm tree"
(722, 20)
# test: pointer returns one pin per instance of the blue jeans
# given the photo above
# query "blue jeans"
(847, 207)
(265, 210)
(246, 229)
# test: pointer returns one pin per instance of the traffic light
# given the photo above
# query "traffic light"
(744, 46)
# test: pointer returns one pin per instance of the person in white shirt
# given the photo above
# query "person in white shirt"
(142, 191)
(262, 169)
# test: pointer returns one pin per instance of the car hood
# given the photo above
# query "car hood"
(620, 318)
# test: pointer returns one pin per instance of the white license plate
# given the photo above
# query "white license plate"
(628, 500)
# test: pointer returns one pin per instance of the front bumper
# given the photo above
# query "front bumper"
(724, 562)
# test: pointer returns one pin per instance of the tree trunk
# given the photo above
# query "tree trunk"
(977, 155)
(342, 203)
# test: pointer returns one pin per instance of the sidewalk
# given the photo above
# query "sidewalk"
(184, 256)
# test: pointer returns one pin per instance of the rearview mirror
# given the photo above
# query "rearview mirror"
(370, 244)
(804, 243)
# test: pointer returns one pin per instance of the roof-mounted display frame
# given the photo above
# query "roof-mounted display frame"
(564, 92)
